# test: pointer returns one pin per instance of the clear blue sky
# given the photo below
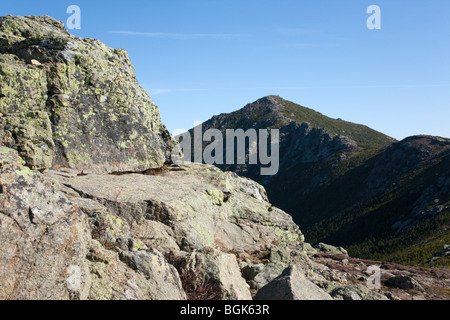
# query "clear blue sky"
(199, 58)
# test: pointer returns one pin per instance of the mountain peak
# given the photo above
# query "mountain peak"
(273, 99)
(275, 112)
(271, 103)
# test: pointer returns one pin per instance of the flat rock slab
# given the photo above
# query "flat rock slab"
(203, 206)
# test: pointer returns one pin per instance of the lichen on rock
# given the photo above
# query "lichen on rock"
(79, 106)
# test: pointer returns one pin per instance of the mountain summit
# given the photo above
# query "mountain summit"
(311, 144)
(276, 112)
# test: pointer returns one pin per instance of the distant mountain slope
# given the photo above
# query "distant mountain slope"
(399, 209)
(334, 173)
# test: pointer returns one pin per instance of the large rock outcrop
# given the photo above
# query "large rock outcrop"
(120, 236)
(208, 219)
(68, 101)
(48, 252)
(43, 237)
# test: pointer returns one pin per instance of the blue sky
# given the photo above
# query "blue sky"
(199, 58)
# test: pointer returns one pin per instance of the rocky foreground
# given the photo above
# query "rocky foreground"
(186, 232)
(90, 207)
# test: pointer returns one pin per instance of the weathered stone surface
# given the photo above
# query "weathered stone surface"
(163, 278)
(309, 249)
(292, 285)
(404, 282)
(267, 274)
(220, 270)
(331, 249)
(339, 279)
(49, 248)
(10, 157)
(354, 291)
(43, 238)
(180, 201)
(177, 212)
(260, 275)
(67, 101)
(345, 293)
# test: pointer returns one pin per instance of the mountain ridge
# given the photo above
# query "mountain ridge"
(323, 172)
